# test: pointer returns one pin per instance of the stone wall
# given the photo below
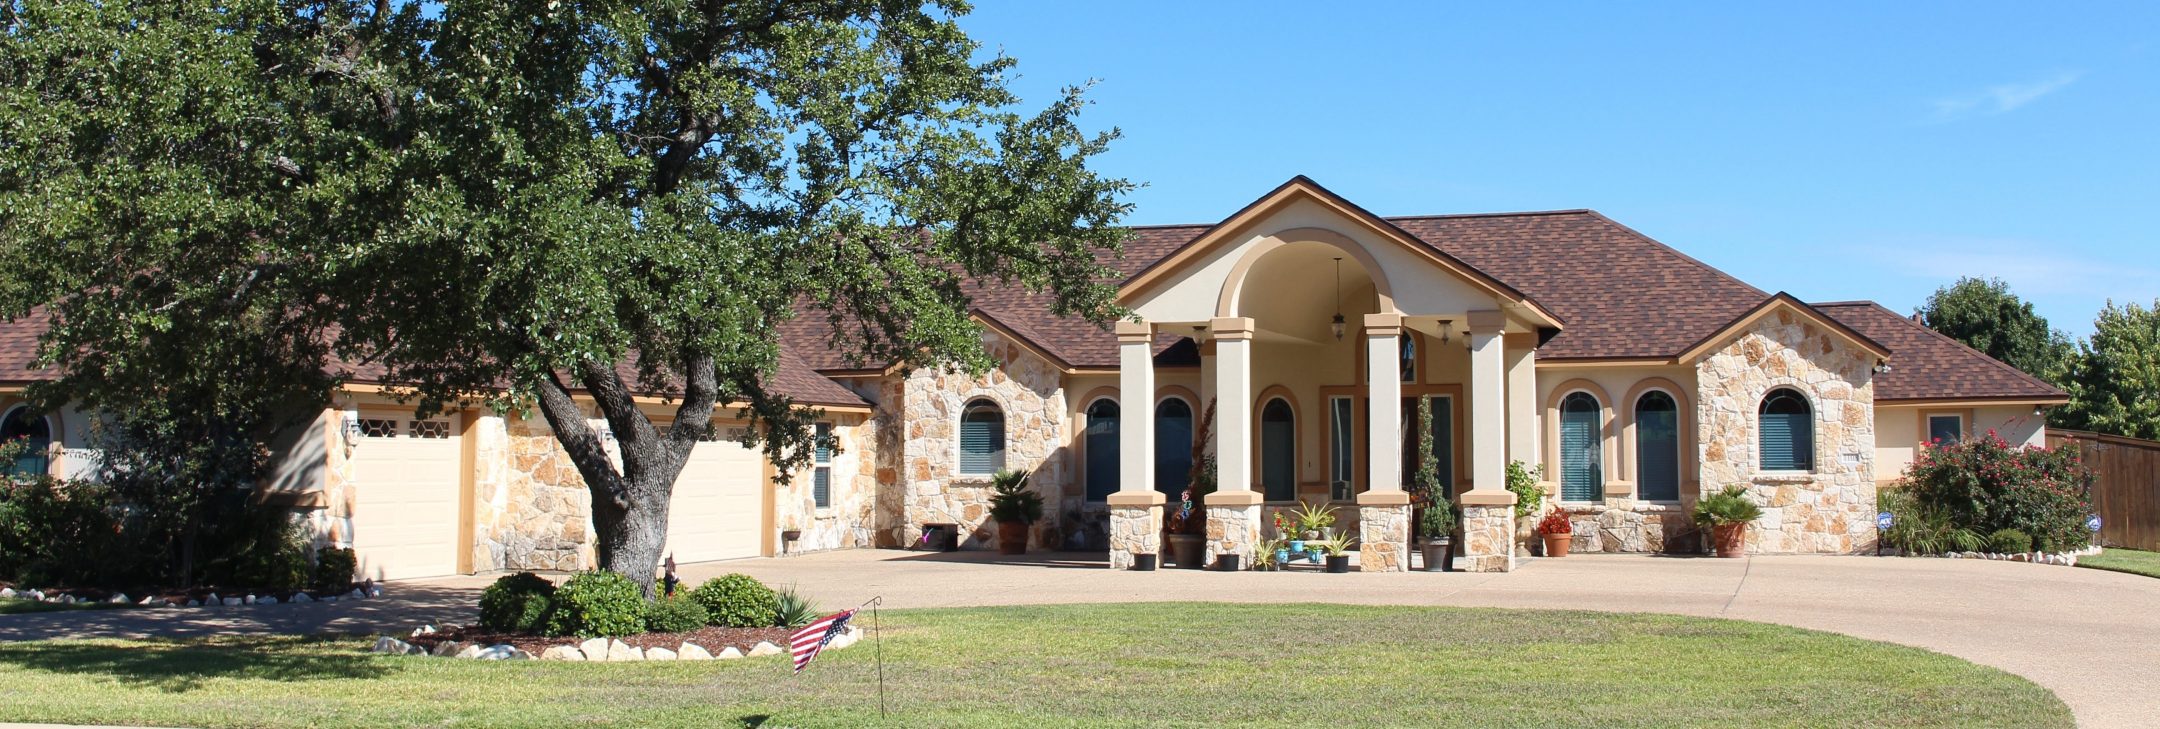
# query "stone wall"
(1384, 538)
(1488, 538)
(1831, 508)
(1233, 530)
(1618, 526)
(849, 519)
(534, 513)
(1134, 530)
(1030, 392)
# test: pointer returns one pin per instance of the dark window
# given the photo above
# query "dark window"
(1278, 451)
(1342, 442)
(1657, 447)
(1582, 475)
(1173, 447)
(821, 474)
(1102, 449)
(1946, 428)
(35, 435)
(1788, 432)
(982, 439)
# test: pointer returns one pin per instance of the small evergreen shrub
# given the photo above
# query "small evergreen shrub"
(517, 603)
(597, 604)
(674, 615)
(334, 569)
(2009, 541)
(793, 610)
(737, 601)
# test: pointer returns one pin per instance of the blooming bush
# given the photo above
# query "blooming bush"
(1555, 523)
(1986, 485)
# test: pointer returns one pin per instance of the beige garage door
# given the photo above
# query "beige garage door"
(716, 511)
(405, 507)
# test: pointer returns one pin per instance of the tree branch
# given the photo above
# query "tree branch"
(583, 445)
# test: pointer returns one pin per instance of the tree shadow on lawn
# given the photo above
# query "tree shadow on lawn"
(181, 666)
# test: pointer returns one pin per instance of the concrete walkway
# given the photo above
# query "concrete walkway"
(2092, 637)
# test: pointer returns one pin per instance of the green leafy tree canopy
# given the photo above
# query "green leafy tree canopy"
(2114, 381)
(1985, 315)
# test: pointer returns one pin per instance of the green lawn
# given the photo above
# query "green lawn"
(2124, 560)
(18, 606)
(1097, 665)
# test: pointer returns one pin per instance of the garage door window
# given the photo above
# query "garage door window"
(821, 475)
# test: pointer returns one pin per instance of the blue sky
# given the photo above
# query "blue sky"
(1834, 150)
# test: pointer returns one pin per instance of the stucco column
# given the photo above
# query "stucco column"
(1233, 511)
(1383, 508)
(1522, 416)
(1488, 508)
(1136, 508)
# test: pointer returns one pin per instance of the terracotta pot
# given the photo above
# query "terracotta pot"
(1012, 537)
(1556, 545)
(1731, 539)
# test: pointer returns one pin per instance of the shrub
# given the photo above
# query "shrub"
(1522, 479)
(1555, 523)
(1921, 530)
(517, 603)
(674, 615)
(597, 604)
(2009, 541)
(261, 549)
(334, 569)
(1985, 485)
(54, 534)
(1011, 501)
(1730, 506)
(793, 610)
(737, 601)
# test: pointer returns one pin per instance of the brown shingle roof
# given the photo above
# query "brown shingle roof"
(1926, 365)
(18, 348)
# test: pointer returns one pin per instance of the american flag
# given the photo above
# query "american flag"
(807, 643)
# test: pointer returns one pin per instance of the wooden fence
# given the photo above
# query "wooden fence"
(2126, 491)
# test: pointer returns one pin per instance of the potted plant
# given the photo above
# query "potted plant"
(1286, 533)
(1727, 514)
(1182, 531)
(1436, 514)
(1338, 552)
(1014, 508)
(1436, 524)
(1557, 531)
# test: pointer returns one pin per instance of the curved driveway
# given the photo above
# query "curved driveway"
(2092, 637)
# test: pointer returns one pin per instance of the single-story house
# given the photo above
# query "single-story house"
(1636, 377)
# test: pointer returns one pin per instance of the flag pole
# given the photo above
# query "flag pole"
(877, 636)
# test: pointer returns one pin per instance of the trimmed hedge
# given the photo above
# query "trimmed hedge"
(517, 603)
(737, 601)
(674, 615)
(597, 604)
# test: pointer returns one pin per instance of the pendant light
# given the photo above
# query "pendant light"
(1337, 325)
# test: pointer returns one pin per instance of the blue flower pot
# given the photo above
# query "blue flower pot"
(1297, 545)
(1282, 556)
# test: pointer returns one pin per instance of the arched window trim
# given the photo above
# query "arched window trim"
(1087, 446)
(1803, 440)
(1597, 474)
(52, 434)
(1679, 441)
(1155, 420)
(1261, 452)
(981, 464)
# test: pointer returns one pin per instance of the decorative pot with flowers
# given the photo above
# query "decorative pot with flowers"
(1286, 531)
(1315, 522)
(1557, 532)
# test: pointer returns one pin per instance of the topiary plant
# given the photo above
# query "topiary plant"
(517, 603)
(737, 601)
(674, 615)
(2009, 541)
(597, 604)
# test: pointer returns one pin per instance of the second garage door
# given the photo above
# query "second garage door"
(405, 496)
(716, 512)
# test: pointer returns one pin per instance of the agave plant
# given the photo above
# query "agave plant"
(793, 609)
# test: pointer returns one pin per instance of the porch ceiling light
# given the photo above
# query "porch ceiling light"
(1337, 326)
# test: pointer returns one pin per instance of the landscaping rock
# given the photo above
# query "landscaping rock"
(249, 600)
(356, 594)
(34, 595)
(232, 601)
(694, 652)
(266, 601)
(375, 592)
(213, 599)
(472, 651)
(447, 648)
(302, 597)
(659, 654)
(151, 600)
(65, 599)
(194, 603)
(423, 630)
(594, 650)
(391, 646)
(562, 653)
(620, 651)
(118, 598)
(764, 648)
(505, 652)
(7, 593)
(729, 653)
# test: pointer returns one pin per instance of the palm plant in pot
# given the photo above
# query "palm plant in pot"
(1557, 531)
(1014, 508)
(1727, 513)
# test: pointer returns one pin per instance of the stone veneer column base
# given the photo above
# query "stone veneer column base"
(1233, 526)
(1135, 527)
(1488, 538)
(1383, 537)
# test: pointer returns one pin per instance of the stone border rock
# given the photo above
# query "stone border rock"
(2061, 559)
(211, 600)
(597, 650)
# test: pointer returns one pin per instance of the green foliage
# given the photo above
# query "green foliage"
(793, 610)
(1985, 484)
(264, 548)
(597, 604)
(1010, 499)
(472, 194)
(517, 603)
(1986, 316)
(1522, 479)
(334, 568)
(1921, 529)
(2114, 381)
(674, 615)
(1336, 545)
(1315, 519)
(2009, 541)
(737, 601)
(54, 534)
(1730, 506)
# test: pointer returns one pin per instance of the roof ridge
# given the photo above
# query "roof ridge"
(1502, 214)
(1853, 302)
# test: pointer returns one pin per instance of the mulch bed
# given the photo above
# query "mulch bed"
(712, 639)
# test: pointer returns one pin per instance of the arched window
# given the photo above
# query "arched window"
(1582, 475)
(29, 428)
(1657, 447)
(1787, 437)
(1173, 447)
(982, 439)
(1102, 449)
(1278, 450)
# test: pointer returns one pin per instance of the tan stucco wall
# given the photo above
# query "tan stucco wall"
(1898, 430)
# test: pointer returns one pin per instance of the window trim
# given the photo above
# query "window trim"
(1922, 436)
(821, 462)
(1762, 404)
(1680, 443)
(1560, 444)
(1093, 398)
(974, 405)
(52, 434)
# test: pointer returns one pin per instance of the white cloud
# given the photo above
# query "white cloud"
(2066, 285)
(2002, 98)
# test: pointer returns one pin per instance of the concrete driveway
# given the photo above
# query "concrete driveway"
(2092, 637)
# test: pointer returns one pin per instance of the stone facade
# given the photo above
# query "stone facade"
(1488, 538)
(1384, 538)
(531, 510)
(1134, 530)
(1618, 526)
(848, 519)
(1830, 509)
(1233, 530)
(1030, 392)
